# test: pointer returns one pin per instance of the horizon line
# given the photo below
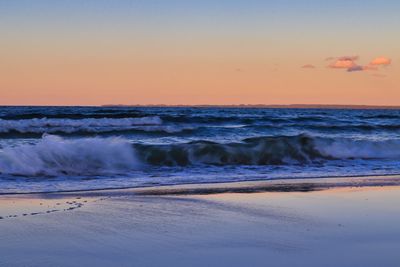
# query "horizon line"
(299, 106)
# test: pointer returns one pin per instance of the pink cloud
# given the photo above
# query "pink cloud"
(349, 63)
(308, 66)
(381, 61)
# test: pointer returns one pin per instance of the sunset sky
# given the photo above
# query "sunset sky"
(199, 52)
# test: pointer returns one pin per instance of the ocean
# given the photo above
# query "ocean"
(46, 149)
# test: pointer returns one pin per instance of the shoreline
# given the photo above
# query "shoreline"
(275, 185)
(250, 186)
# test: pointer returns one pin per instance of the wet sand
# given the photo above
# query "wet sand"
(315, 222)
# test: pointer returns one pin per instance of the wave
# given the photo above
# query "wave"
(248, 119)
(40, 126)
(277, 150)
(165, 124)
(54, 156)
(21, 113)
(301, 121)
(329, 127)
(214, 119)
(72, 116)
(381, 116)
(161, 130)
(353, 127)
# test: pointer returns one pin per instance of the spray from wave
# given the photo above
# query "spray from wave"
(54, 156)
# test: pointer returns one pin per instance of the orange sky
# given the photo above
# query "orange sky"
(80, 59)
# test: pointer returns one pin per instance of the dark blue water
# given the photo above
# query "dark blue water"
(68, 148)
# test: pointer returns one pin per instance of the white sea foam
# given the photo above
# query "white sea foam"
(342, 148)
(53, 156)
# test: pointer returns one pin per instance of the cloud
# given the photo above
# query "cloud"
(361, 68)
(345, 62)
(308, 66)
(342, 64)
(384, 61)
(349, 63)
(355, 68)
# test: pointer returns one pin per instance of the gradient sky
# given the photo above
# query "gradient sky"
(199, 52)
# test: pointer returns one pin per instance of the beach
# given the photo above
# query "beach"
(199, 133)
(309, 222)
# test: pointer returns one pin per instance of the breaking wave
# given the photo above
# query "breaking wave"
(54, 156)
(277, 150)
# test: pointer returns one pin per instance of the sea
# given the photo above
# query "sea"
(51, 149)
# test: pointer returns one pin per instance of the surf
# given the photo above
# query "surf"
(55, 155)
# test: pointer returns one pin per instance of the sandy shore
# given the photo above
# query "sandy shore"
(316, 222)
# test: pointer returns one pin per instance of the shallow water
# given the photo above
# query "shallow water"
(70, 148)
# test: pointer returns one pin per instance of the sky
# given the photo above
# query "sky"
(98, 52)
